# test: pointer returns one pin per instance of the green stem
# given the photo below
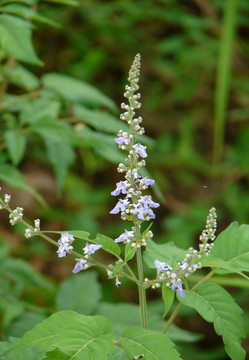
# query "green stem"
(222, 79)
(172, 318)
(141, 290)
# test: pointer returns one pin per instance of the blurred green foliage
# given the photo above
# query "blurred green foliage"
(57, 119)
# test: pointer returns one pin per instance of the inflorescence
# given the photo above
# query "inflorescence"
(174, 278)
(133, 206)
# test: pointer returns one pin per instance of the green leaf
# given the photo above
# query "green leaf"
(124, 315)
(154, 346)
(21, 272)
(77, 336)
(27, 13)
(11, 176)
(108, 244)
(77, 91)
(129, 252)
(232, 246)
(168, 297)
(102, 144)
(66, 2)
(117, 269)
(80, 293)
(215, 262)
(163, 252)
(55, 132)
(41, 111)
(100, 120)
(216, 305)
(23, 324)
(16, 144)
(15, 39)
(18, 75)
(61, 156)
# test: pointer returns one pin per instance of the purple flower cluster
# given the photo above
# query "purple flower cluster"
(134, 206)
(65, 242)
(165, 272)
(81, 264)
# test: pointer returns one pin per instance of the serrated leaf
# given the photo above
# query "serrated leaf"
(16, 144)
(77, 91)
(168, 297)
(215, 262)
(86, 337)
(216, 305)
(232, 246)
(15, 39)
(80, 293)
(154, 346)
(163, 252)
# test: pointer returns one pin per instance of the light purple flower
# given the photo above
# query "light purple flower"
(122, 140)
(147, 202)
(117, 282)
(126, 237)
(120, 206)
(183, 265)
(140, 150)
(179, 290)
(121, 187)
(146, 181)
(136, 175)
(65, 242)
(162, 266)
(79, 265)
(139, 210)
(90, 249)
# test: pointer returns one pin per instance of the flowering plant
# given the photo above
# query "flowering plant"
(70, 335)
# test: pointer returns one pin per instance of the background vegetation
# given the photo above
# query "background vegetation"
(58, 158)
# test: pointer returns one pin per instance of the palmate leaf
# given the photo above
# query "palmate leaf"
(153, 345)
(216, 305)
(68, 334)
(232, 246)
